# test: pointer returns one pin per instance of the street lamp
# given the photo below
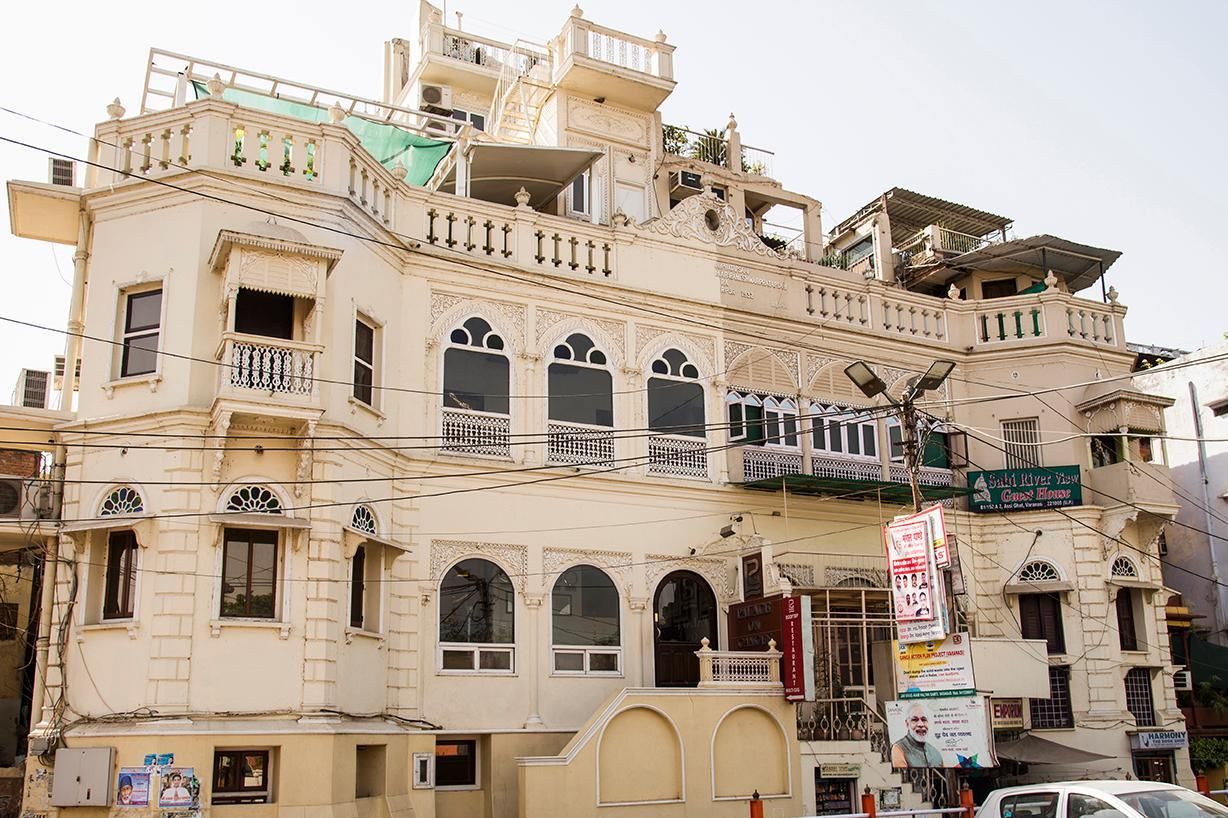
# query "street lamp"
(871, 385)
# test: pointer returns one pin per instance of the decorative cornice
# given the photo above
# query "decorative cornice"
(707, 219)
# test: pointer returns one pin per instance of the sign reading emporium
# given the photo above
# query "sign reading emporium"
(1021, 489)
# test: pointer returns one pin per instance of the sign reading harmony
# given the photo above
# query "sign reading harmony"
(1020, 489)
(1160, 740)
(932, 669)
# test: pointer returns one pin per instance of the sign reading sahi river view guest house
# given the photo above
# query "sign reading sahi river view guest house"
(1019, 489)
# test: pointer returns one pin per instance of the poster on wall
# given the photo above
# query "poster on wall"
(916, 585)
(935, 669)
(132, 787)
(951, 732)
(179, 788)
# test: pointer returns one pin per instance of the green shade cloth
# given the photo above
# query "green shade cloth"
(1208, 662)
(389, 144)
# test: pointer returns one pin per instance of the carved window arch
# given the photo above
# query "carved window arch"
(363, 519)
(477, 618)
(581, 386)
(123, 501)
(1039, 571)
(254, 498)
(675, 398)
(1123, 566)
(780, 422)
(476, 370)
(585, 622)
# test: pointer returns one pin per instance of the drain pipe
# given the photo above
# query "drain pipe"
(51, 559)
(1221, 599)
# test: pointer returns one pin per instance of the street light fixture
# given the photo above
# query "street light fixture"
(863, 376)
(933, 378)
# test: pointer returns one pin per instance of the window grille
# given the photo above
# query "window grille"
(1021, 443)
(1039, 571)
(123, 501)
(1054, 712)
(363, 520)
(1138, 696)
(1124, 567)
(254, 498)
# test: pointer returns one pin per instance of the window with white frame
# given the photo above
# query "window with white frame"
(477, 619)
(140, 332)
(1021, 443)
(780, 422)
(675, 398)
(366, 348)
(478, 121)
(585, 621)
(843, 431)
(579, 202)
(745, 411)
(366, 587)
(1139, 699)
(895, 440)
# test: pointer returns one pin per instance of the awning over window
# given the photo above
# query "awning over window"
(1036, 750)
(496, 172)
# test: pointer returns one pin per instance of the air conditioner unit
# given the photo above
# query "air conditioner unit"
(24, 499)
(33, 388)
(1182, 680)
(61, 171)
(58, 379)
(435, 98)
(685, 180)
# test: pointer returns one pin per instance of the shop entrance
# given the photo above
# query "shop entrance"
(1154, 767)
(684, 612)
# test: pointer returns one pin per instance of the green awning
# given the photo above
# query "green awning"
(890, 491)
(388, 143)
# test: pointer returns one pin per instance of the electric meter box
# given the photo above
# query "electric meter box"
(82, 777)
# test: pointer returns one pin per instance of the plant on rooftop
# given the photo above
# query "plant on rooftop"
(711, 147)
(674, 139)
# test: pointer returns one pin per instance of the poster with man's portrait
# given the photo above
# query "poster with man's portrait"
(951, 732)
(132, 787)
(179, 788)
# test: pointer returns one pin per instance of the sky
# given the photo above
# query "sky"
(1100, 122)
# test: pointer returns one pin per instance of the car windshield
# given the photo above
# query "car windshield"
(1173, 804)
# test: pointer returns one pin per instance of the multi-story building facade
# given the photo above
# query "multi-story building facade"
(423, 442)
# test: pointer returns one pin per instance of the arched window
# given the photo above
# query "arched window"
(477, 618)
(254, 498)
(1039, 571)
(1124, 567)
(363, 519)
(122, 502)
(675, 399)
(745, 417)
(476, 374)
(581, 387)
(585, 622)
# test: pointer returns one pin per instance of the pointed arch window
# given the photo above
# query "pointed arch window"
(477, 618)
(476, 391)
(780, 422)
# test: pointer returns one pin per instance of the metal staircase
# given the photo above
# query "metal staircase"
(520, 94)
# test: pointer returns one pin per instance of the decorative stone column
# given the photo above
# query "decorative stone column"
(532, 661)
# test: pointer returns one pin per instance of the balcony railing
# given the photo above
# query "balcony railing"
(1010, 323)
(827, 465)
(579, 444)
(584, 38)
(842, 719)
(951, 241)
(713, 147)
(470, 432)
(738, 669)
(272, 366)
(476, 50)
(833, 570)
(766, 462)
(926, 475)
(676, 456)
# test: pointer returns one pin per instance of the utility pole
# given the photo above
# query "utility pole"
(912, 446)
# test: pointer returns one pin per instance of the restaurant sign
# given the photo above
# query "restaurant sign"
(1022, 489)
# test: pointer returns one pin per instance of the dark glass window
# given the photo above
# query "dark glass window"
(240, 776)
(999, 288)
(358, 586)
(142, 324)
(1138, 696)
(1055, 711)
(580, 392)
(267, 314)
(1127, 630)
(119, 595)
(585, 604)
(364, 361)
(1040, 617)
(476, 604)
(249, 573)
(478, 381)
(675, 407)
(456, 762)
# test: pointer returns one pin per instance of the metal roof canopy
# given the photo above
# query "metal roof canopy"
(909, 212)
(497, 172)
(869, 489)
(1079, 265)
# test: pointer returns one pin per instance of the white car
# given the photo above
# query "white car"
(1099, 799)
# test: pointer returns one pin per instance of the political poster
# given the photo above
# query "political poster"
(132, 787)
(179, 788)
(938, 533)
(915, 582)
(951, 732)
(935, 669)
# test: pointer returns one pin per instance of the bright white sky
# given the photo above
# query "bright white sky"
(1101, 122)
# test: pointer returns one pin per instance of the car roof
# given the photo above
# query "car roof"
(1115, 787)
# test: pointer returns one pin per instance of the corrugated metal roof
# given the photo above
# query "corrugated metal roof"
(1079, 265)
(910, 211)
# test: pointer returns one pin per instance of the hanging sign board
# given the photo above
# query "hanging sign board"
(797, 663)
(917, 593)
(1022, 489)
(941, 733)
(1007, 714)
(935, 669)
(1160, 740)
(938, 533)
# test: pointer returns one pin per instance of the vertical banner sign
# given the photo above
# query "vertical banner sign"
(916, 585)
(798, 649)
(938, 533)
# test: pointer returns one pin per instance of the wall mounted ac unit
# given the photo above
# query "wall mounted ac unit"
(435, 98)
(58, 379)
(33, 389)
(1182, 680)
(24, 499)
(685, 180)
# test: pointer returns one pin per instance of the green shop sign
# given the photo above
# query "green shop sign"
(1020, 489)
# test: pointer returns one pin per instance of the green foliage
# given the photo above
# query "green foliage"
(1210, 694)
(711, 147)
(674, 139)
(1208, 753)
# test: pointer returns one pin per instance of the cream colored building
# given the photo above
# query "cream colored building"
(436, 430)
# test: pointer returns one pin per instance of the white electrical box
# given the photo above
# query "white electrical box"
(82, 777)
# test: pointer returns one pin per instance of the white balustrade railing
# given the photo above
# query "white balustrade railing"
(766, 462)
(579, 444)
(926, 475)
(1089, 323)
(470, 432)
(913, 319)
(746, 668)
(841, 304)
(1010, 322)
(678, 456)
(269, 365)
(470, 48)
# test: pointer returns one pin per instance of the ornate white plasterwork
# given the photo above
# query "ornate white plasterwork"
(716, 571)
(788, 360)
(814, 363)
(447, 309)
(689, 220)
(550, 322)
(557, 560)
(512, 558)
(605, 120)
(647, 336)
(278, 272)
